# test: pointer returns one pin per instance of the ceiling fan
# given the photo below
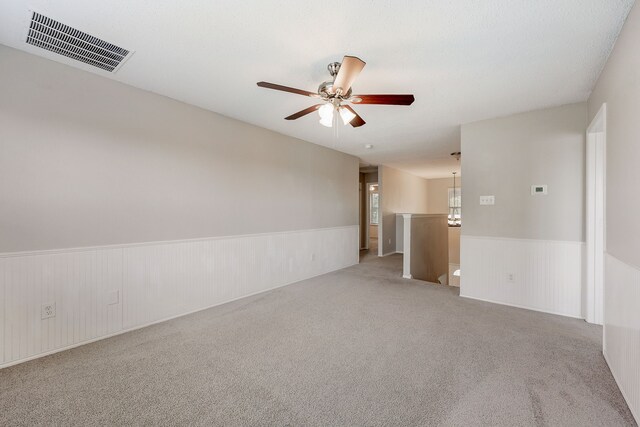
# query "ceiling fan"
(336, 95)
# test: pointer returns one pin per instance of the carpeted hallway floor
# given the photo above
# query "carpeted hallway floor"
(360, 346)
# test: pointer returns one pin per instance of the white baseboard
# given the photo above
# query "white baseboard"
(154, 282)
(520, 306)
(391, 253)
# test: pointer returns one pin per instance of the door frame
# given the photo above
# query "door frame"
(368, 205)
(362, 229)
(595, 204)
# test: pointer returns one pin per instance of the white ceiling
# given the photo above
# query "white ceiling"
(464, 60)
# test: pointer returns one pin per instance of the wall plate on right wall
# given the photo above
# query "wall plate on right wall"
(539, 190)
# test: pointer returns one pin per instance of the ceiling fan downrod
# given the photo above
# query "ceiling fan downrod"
(333, 68)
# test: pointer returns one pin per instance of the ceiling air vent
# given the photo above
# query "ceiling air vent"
(54, 36)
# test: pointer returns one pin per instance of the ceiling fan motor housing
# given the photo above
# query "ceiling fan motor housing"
(325, 90)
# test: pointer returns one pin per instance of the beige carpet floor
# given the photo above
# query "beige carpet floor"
(360, 346)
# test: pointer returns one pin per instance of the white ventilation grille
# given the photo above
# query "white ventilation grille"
(54, 36)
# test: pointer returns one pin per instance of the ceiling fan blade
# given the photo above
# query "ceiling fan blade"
(287, 89)
(303, 112)
(349, 71)
(357, 121)
(383, 99)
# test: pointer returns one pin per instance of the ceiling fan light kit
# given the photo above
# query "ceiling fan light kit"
(346, 115)
(326, 115)
(336, 94)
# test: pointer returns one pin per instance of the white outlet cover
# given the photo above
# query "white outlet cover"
(48, 310)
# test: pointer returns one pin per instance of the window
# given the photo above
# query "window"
(373, 203)
(455, 207)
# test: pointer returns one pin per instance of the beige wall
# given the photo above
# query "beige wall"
(504, 157)
(401, 192)
(88, 161)
(526, 250)
(619, 87)
(454, 245)
(438, 200)
(429, 247)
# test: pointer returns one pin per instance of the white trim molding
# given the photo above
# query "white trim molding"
(541, 275)
(621, 341)
(103, 291)
(406, 246)
(390, 253)
(595, 216)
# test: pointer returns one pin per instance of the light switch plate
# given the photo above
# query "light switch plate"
(487, 200)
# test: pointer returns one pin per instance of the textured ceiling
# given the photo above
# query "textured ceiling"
(465, 60)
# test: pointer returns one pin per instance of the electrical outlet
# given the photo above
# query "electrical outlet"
(511, 278)
(48, 310)
(313, 257)
(389, 241)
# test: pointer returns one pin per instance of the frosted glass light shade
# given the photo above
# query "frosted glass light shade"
(326, 121)
(346, 115)
(326, 112)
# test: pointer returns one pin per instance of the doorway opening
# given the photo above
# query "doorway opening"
(369, 211)
(373, 216)
(593, 295)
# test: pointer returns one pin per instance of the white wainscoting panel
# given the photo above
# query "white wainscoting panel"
(150, 282)
(622, 328)
(547, 275)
